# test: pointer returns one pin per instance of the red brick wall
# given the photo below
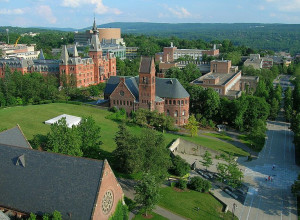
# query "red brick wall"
(126, 101)
(160, 107)
(96, 56)
(108, 182)
(169, 54)
(178, 106)
(220, 66)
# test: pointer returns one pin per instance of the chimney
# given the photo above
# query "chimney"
(215, 46)
(122, 79)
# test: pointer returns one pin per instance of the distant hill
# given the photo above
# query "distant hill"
(277, 37)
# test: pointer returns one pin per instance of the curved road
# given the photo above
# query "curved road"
(271, 199)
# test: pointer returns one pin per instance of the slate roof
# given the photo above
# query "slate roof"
(15, 137)
(145, 65)
(48, 182)
(165, 87)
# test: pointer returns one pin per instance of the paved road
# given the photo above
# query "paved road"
(271, 199)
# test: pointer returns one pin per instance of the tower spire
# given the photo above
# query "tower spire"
(64, 55)
(95, 30)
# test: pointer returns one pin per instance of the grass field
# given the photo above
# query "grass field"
(186, 203)
(218, 135)
(31, 119)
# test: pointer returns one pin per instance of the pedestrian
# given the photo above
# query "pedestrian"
(266, 179)
(269, 178)
(273, 167)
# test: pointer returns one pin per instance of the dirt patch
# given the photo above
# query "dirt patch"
(149, 216)
(180, 190)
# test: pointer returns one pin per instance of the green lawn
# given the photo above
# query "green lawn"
(155, 217)
(186, 203)
(31, 119)
(218, 135)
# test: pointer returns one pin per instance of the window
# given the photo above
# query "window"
(174, 102)
(170, 102)
(182, 102)
(183, 113)
(127, 102)
(168, 112)
(114, 102)
(124, 103)
(185, 101)
(176, 113)
(178, 102)
(117, 102)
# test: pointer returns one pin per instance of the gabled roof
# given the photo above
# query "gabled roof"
(15, 137)
(48, 182)
(165, 87)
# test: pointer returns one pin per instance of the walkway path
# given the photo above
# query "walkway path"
(271, 199)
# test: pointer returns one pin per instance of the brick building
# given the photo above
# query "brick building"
(88, 71)
(226, 80)
(42, 182)
(165, 95)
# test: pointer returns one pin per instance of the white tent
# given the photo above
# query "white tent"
(71, 120)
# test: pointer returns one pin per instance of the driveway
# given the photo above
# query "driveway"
(271, 199)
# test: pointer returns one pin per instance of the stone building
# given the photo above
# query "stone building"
(165, 95)
(42, 182)
(226, 80)
(87, 71)
(258, 62)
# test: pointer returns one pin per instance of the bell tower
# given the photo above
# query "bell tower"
(147, 83)
(95, 52)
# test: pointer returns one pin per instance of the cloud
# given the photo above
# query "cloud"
(261, 7)
(179, 12)
(4, 0)
(46, 12)
(100, 8)
(287, 6)
(16, 11)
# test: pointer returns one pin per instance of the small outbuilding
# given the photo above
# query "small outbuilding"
(70, 119)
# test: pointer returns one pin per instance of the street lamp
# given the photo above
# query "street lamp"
(7, 30)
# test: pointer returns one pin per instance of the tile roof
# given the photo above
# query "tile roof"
(15, 137)
(48, 182)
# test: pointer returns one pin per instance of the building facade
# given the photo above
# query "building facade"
(165, 95)
(88, 71)
(226, 80)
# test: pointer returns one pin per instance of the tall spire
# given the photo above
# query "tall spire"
(75, 54)
(95, 30)
(64, 55)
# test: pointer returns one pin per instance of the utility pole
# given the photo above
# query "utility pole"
(7, 30)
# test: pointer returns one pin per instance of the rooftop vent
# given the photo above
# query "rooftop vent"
(21, 161)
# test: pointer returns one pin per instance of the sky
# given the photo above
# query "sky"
(80, 13)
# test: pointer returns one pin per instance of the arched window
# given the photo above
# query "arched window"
(176, 113)
(183, 113)
(178, 102)
(182, 102)
(168, 112)
(174, 102)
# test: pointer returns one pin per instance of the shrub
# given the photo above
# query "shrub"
(180, 166)
(121, 212)
(181, 184)
(198, 184)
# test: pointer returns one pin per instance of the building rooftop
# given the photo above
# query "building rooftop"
(223, 77)
(42, 182)
(14, 137)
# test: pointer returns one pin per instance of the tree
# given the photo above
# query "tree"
(65, 140)
(147, 193)
(288, 104)
(230, 171)
(198, 184)
(207, 159)
(56, 215)
(192, 126)
(32, 216)
(211, 103)
(128, 154)
(89, 132)
(274, 109)
(180, 166)
(156, 156)
(296, 187)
